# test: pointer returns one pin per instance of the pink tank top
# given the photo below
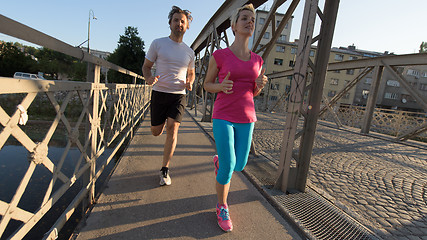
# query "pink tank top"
(237, 107)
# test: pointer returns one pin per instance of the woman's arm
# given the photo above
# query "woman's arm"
(210, 85)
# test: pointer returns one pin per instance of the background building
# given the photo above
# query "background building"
(282, 57)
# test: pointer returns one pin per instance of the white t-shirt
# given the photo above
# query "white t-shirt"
(172, 61)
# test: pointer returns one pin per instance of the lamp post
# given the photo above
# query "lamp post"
(91, 13)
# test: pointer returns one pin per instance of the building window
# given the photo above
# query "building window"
(311, 53)
(278, 61)
(413, 84)
(278, 22)
(339, 57)
(368, 80)
(353, 58)
(261, 21)
(388, 95)
(412, 72)
(286, 26)
(393, 83)
(350, 71)
(365, 93)
(293, 50)
(274, 86)
(424, 74)
(332, 93)
(266, 35)
(406, 98)
(334, 81)
(260, 46)
(282, 38)
(337, 71)
(346, 96)
(280, 48)
(423, 87)
(291, 63)
(273, 98)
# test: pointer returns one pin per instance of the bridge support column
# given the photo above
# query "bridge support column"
(93, 75)
(296, 177)
(372, 98)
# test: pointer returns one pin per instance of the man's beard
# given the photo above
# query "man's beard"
(178, 33)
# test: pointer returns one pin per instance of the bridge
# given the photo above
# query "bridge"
(310, 174)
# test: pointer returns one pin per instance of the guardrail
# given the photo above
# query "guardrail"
(387, 121)
(95, 116)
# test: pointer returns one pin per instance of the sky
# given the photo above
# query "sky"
(374, 25)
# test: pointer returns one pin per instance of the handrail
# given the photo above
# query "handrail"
(15, 29)
(110, 113)
(392, 60)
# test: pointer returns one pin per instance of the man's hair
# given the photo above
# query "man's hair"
(176, 9)
(236, 13)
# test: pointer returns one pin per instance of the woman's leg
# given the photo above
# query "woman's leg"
(224, 140)
(243, 140)
(222, 192)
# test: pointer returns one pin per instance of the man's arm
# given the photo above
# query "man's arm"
(146, 70)
(191, 75)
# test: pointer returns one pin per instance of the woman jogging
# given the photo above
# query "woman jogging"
(241, 77)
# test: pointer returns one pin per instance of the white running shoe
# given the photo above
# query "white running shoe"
(165, 179)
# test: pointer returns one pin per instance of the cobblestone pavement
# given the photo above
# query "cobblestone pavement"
(380, 183)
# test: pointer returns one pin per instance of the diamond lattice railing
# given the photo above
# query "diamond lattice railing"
(90, 122)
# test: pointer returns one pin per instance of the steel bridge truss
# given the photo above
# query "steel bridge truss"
(302, 82)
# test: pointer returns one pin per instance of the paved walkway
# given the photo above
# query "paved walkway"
(134, 206)
(379, 183)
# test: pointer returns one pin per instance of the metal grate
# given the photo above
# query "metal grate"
(320, 219)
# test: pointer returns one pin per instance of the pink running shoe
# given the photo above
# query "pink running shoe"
(216, 163)
(224, 221)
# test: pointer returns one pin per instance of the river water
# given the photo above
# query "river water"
(13, 166)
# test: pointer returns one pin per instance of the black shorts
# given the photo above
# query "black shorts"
(164, 105)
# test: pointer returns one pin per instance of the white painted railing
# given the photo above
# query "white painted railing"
(95, 116)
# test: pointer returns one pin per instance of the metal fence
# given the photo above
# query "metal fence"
(387, 121)
(92, 118)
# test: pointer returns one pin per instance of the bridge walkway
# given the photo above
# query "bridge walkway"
(134, 206)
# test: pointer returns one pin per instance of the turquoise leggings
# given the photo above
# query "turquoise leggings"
(233, 142)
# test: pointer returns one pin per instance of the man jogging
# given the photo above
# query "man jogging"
(174, 73)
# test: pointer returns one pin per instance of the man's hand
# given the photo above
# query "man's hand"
(227, 85)
(189, 85)
(152, 80)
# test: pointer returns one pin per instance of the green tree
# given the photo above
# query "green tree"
(12, 60)
(53, 63)
(129, 54)
(423, 47)
(15, 57)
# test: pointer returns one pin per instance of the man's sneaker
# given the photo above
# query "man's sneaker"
(216, 163)
(224, 221)
(165, 179)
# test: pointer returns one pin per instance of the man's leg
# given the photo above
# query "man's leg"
(171, 140)
(157, 130)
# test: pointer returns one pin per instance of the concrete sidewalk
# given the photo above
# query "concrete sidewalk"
(134, 206)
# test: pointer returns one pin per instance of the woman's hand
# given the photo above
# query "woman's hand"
(261, 80)
(227, 85)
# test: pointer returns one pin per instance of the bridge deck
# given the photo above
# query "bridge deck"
(134, 206)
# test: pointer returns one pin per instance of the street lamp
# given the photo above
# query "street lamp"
(91, 13)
